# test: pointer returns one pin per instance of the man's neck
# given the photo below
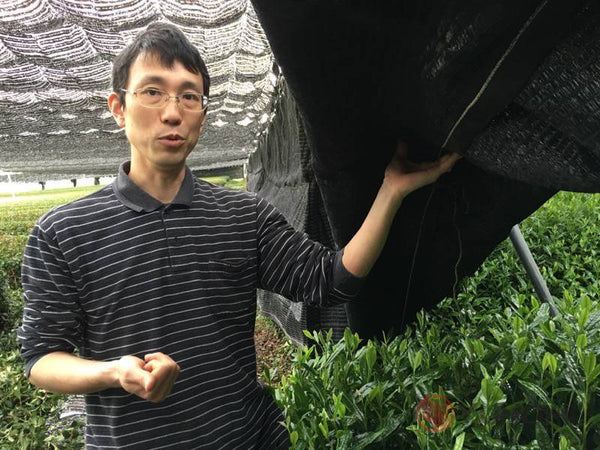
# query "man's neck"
(163, 185)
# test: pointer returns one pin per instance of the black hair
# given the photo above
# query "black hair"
(168, 44)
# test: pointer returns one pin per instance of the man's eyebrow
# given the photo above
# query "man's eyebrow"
(190, 85)
(152, 79)
(148, 79)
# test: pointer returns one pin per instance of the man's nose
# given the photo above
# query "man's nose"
(172, 110)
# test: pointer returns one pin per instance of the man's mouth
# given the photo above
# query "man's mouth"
(172, 140)
(172, 137)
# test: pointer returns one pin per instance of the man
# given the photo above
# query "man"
(153, 279)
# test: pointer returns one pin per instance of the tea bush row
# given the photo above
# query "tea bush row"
(517, 379)
(515, 376)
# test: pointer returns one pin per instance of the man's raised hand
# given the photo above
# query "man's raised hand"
(403, 176)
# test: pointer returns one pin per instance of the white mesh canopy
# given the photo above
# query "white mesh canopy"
(55, 65)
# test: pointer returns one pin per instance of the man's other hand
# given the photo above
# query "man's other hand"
(151, 378)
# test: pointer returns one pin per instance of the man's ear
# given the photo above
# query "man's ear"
(116, 108)
(203, 122)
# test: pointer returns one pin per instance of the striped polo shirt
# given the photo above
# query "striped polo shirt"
(119, 273)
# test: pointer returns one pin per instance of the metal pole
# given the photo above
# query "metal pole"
(531, 267)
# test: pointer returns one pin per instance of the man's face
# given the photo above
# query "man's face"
(161, 138)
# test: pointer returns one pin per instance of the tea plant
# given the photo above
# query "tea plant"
(516, 377)
(524, 380)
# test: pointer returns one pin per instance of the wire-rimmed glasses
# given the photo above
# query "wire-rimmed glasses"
(156, 98)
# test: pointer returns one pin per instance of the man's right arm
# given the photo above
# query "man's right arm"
(66, 373)
(151, 378)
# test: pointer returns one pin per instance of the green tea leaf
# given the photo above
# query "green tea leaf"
(324, 428)
(418, 359)
(491, 394)
(542, 437)
(465, 424)
(549, 361)
(521, 344)
(563, 444)
(340, 407)
(585, 303)
(568, 298)
(593, 421)
(485, 438)
(582, 317)
(458, 443)
(517, 324)
(581, 341)
(589, 364)
(308, 334)
(391, 424)
(415, 359)
(371, 355)
(478, 348)
(376, 394)
(595, 373)
(537, 391)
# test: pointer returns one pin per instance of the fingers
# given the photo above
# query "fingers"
(447, 161)
(442, 165)
(151, 379)
(132, 376)
(437, 168)
(451, 157)
(165, 376)
(402, 176)
(155, 356)
(165, 371)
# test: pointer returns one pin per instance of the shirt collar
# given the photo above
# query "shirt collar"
(134, 197)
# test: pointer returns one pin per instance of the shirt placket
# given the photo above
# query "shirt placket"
(173, 240)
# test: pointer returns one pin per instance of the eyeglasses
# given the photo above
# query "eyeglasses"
(155, 98)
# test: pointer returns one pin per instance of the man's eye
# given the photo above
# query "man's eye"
(151, 92)
(191, 97)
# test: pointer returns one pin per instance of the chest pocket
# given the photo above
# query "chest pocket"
(234, 283)
(230, 267)
(232, 276)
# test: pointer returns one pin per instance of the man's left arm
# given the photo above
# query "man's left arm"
(401, 178)
(303, 270)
